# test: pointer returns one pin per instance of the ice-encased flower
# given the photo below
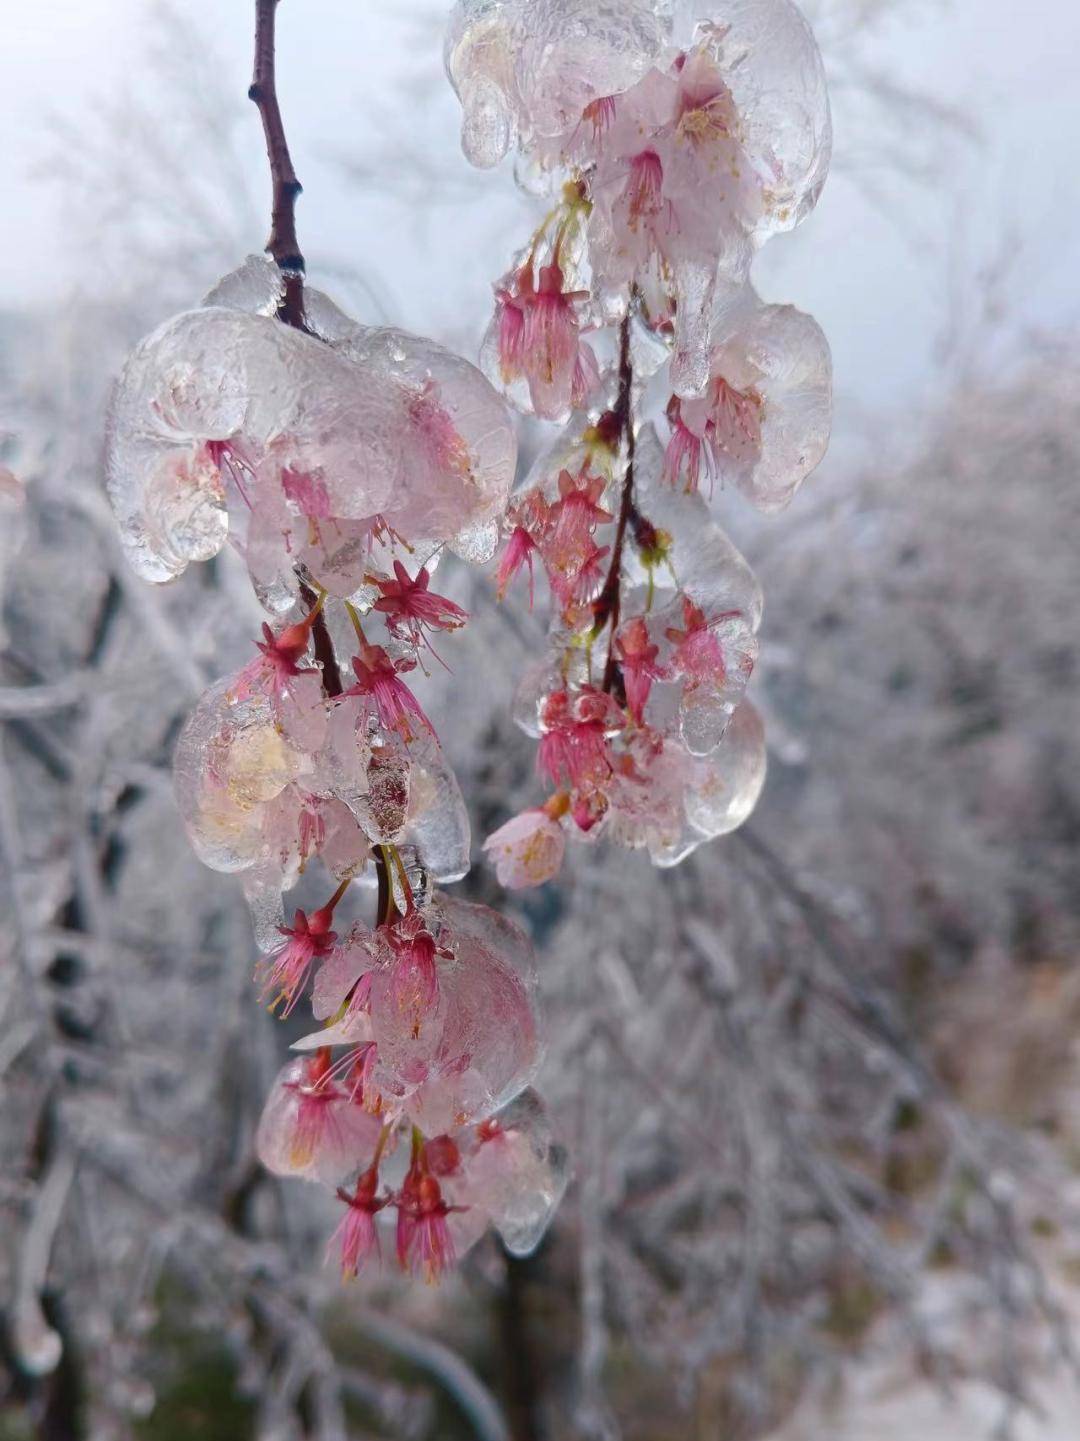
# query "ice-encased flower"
(514, 1172)
(525, 68)
(311, 1126)
(770, 62)
(223, 417)
(763, 422)
(486, 1043)
(528, 850)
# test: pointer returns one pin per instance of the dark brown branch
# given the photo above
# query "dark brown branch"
(324, 646)
(283, 245)
(609, 604)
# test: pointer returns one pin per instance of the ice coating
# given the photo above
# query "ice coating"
(707, 565)
(310, 448)
(438, 819)
(730, 780)
(489, 1047)
(473, 1044)
(479, 62)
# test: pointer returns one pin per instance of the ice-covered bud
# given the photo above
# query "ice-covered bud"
(528, 850)
(638, 661)
(311, 1126)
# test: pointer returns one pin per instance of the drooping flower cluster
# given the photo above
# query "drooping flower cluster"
(671, 139)
(339, 460)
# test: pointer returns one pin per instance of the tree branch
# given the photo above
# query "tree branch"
(609, 604)
(283, 244)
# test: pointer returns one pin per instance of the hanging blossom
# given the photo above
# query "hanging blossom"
(316, 762)
(671, 144)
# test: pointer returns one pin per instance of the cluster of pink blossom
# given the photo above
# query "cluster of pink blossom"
(670, 137)
(338, 461)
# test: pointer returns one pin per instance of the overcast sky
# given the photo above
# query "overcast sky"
(883, 269)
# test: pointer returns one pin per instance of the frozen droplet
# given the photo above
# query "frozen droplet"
(730, 780)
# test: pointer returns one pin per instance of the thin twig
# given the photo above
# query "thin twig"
(609, 603)
(283, 244)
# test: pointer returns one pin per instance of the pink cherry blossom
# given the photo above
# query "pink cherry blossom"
(528, 850)
(414, 983)
(433, 422)
(383, 693)
(286, 969)
(638, 660)
(573, 749)
(357, 1234)
(586, 376)
(410, 605)
(538, 337)
(311, 1126)
(294, 691)
(698, 655)
(722, 429)
(424, 1244)
(519, 551)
